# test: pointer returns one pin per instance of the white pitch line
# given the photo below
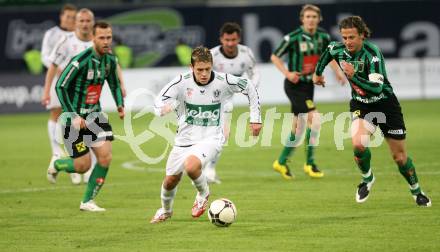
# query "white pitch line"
(54, 187)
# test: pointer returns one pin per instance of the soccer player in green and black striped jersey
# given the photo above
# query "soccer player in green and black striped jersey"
(79, 89)
(303, 47)
(373, 104)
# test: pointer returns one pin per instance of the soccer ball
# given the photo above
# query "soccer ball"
(222, 212)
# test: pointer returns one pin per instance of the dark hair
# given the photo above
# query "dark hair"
(355, 22)
(101, 25)
(229, 28)
(312, 8)
(68, 7)
(201, 54)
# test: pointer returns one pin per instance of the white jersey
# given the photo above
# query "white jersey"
(66, 48)
(243, 63)
(199, 108)
(50, 39)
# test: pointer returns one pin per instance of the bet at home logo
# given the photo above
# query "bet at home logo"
(152, 34)
(203, 115)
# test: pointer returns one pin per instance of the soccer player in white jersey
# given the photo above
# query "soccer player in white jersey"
(54, 34)
(233, 58)
(50, 39)
(198, 98)
(66, 48)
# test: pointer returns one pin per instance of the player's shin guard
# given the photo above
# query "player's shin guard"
(201, 185)
(95, 183)
(56, 147)
(287, 150)
(408, 171)
(65, 164)
(362, 159)
(167, 197)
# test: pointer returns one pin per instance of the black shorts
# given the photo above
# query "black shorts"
(78, 142)
(387, 114)
(300, 96)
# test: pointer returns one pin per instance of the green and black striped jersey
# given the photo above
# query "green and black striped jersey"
(80, 84)
(369, 83)
(303, 50)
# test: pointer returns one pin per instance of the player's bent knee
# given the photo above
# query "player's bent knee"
(170, 182)
(400, 158)
(192, 163)
(82, 167)
(358, 146)
(55, 113)
(105, 160)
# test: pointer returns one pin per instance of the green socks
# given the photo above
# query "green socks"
(362, 159)
(287, 151)
(96, 181)
(310, 148)
(65, 165)
(408, 171)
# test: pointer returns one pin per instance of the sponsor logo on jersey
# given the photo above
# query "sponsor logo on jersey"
(357, 89)
(330, 47)
(203, 115)
(189, 92)
(216, 93)
(304, 46)
(396, 131)
(358, 66)
(90, 74)
(80, 147)
(375, 59)
(310, 104)
(356, 114)
(372, 99)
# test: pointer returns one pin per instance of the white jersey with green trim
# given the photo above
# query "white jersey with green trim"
(68, 47)
(50, 40)
(243, 64)
(199, 108)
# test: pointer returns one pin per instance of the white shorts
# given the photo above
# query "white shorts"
(54, 102)
(203, 151)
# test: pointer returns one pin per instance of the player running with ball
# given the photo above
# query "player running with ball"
(198, 98)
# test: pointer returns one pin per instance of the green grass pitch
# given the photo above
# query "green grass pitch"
(273, 214)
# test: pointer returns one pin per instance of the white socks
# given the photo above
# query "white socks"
(201, 185)
(56, 147)
(167, 198)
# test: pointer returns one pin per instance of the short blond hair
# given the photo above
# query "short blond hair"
(201, 54)
(310, 7)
